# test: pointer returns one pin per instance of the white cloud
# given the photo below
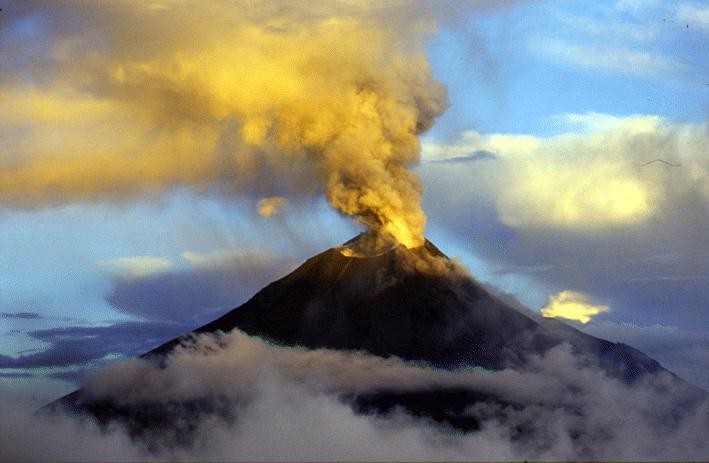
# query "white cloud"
(593, 122)
(607, 58)
(138, 266)
(694, 15)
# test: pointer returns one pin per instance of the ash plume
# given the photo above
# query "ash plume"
(132, 99)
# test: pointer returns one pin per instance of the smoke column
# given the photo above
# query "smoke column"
(131, 99)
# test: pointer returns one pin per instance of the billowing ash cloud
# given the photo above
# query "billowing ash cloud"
(132, 98)
(291, 403)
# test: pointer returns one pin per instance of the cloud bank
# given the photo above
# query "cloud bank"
(293, 403)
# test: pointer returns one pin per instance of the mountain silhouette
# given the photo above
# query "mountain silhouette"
(387, 300)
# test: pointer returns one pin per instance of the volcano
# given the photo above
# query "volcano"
(387, 300)
(415, 304)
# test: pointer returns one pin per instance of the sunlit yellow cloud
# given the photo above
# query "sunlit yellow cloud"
(572, 306)
(137, 98)
(592, 176)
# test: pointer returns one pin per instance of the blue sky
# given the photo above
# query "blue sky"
(578, 95)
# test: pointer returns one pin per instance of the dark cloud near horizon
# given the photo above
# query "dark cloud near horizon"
(73, 376)
(21, 315)
(197, 295)
(15, 375)
(81, 345)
